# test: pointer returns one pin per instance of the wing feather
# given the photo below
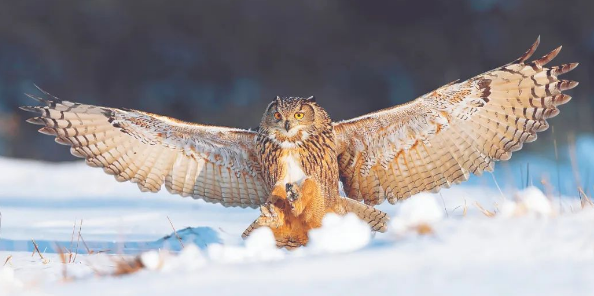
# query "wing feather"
(443, 136)
(217, 164)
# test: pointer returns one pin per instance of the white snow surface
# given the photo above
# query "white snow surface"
(437, 244)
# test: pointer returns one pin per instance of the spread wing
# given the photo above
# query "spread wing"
(461, 128)
(216, 164)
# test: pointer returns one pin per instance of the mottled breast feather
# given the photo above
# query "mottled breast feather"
(443, 136)
(217, 164)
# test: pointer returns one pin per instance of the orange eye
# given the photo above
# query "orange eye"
(277, 116)
(299, 115)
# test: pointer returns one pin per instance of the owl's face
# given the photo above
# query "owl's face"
(291, 120)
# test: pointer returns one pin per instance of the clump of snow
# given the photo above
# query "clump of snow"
(8, 283)
(530, 201)
(191, 258)
(421, 209)
(151, 260)
(261, 239)
(260, 246)
(339, 234)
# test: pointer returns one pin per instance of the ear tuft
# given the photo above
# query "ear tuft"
(311, 99)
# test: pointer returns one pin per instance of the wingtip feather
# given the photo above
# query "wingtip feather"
(529, 52)
(548, 57)
(47, 131)
(32, 109)
(36, 120)
(38, 99)
(562, 69)
(47, 93)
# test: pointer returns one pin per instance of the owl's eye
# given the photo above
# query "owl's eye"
(299, 115)
(277, 116)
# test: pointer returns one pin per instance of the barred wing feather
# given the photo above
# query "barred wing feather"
(216, 164)
(443, 136)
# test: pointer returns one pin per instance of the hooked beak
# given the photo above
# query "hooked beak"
(287, 125)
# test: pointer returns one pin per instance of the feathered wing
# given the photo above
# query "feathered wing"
(216, 164)
(461, 128)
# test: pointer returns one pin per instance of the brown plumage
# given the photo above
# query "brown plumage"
(291, 166)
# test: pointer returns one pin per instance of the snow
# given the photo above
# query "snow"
(466, 240)
(259, 247)
(420, 210)
(528, 201)
(8, 283)
(340, 234)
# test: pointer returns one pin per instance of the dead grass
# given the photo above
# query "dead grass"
(585, 200)
(89, 251)
(64, 263)
(175, 232)
(77, 242)
(445, 209)
(36, 250)
(125, 266)
(483, 210)
(7, 260)
(424, 229)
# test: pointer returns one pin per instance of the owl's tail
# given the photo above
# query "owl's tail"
(377, 219)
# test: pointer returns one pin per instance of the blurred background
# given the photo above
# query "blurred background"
(221, 62)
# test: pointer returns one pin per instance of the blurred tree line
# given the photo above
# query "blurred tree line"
(221, 62)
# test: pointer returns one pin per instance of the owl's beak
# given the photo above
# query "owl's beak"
(287, 125)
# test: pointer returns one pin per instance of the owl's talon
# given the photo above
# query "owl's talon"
(269, 216)
(264, 209)
(293, 193)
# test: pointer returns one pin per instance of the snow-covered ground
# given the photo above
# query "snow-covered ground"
(437, 244)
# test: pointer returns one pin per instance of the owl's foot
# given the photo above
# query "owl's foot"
(270, 217)
(293, 193)
(294, 198)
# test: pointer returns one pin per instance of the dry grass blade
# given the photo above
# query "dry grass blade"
(557, 160)
(7, 259)
(64, 263)
(483, 210)
(548, 187)
(77, 240)
(445, 209)
(175, 232)
(89, 251)
(497, 184)
(585, 200)
(43, 260)
(528, 178)
(574, 160)
(71, 241)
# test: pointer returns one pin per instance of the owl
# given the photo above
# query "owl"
(292, 165)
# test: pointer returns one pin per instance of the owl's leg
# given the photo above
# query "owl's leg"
(271, 216)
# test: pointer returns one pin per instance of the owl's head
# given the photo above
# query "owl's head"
(291, 120)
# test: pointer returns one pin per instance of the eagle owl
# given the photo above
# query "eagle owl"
(290, 167)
